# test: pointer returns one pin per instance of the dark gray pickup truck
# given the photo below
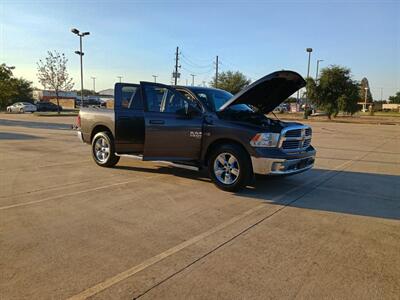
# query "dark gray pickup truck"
(200, 127)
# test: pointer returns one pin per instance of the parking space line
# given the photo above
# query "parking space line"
(76, 193)
(155, 259)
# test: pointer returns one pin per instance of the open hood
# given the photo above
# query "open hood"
(269, 91)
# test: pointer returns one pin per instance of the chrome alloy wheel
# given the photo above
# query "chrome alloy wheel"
(102, 149)
(226, 168)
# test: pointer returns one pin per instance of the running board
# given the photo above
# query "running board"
(172, 164)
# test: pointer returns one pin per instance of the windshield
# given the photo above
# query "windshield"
(214, 99)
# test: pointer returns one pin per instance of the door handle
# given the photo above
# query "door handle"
(124, 118)
(159, 122)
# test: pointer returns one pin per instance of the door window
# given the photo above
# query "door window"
(131, 98)
(162, 99)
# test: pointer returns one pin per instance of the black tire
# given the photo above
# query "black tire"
(104, 158)
(238, 179)
(21, 110)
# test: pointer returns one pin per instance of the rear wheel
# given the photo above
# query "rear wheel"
(229, 167)
(9, 110)
(103, 150)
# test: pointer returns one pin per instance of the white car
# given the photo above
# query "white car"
(21, 107)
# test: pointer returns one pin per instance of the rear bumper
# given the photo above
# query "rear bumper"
(276, 166)
(80, 136)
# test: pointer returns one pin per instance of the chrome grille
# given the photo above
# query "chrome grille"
(295, 138)
(293, 133)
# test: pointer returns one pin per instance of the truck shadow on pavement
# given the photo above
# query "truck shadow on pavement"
(17, 136)
(354, 193)
(36, 125)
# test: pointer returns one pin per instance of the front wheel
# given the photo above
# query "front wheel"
(229, 167)
(103, 150)
(21, 110)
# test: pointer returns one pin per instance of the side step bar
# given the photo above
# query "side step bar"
(172, 164)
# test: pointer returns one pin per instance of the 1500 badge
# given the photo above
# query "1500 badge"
(195, 134)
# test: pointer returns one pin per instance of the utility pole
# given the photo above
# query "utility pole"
(120, 78)
(176, 74)
(365, 99)
(309, 50)
(94, 84)
(192, 78)
(216, 72)
(381, 94)
(186, 81)
(155, 78)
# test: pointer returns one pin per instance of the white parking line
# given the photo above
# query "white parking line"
(76, 193)
(153, 260)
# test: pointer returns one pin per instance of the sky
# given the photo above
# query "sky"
(138, 39)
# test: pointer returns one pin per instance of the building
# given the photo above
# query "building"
(47, 95)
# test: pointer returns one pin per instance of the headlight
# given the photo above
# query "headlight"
(265, 140)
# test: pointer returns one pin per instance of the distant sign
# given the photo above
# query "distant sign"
(176, 75)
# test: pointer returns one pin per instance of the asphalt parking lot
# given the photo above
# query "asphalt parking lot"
(70, 229)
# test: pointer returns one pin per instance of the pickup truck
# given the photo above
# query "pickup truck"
(199, 127)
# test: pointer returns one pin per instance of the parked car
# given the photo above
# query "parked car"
(197, 127)
(47, 106)
(280, 109)
(21, 107)
(88, 102)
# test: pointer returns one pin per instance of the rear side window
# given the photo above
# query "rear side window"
(131, 98)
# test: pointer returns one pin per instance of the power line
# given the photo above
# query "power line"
(198, 73)
(192, 61)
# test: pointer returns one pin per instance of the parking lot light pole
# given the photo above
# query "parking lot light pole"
(309, 50)
(316, 73)
(80, 53)
(365, 99)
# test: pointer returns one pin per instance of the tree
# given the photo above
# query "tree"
(335, 91)
(13, 89)
(395, 99)
(365, 84)
(230, 81)
(53, 74)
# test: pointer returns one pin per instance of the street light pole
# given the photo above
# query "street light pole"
(192, 79)
(365, 99)
(120, 78)
(316, 74)
(155, 78)
(94, 84)
(80, 53)
(309, 50)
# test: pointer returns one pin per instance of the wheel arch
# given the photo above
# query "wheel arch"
(100, 128)
(222, 141)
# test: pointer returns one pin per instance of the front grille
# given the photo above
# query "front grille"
(291, 144)
(296, 139)
(293, 133)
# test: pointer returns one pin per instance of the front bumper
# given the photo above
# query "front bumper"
(277, 166)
